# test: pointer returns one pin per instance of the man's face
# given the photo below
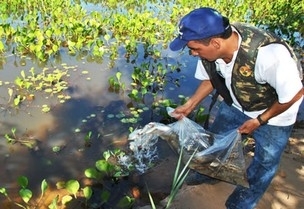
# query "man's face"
(208, 52)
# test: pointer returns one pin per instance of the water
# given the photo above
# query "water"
(90, 100)
(60, 152)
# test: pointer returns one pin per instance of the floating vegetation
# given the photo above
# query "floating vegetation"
(25, 140)
(42, 31)
(56, 149)
(45, 108)
(52, 83)
(72, 189)
(77, 130)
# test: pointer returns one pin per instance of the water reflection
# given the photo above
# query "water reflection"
(88, 110)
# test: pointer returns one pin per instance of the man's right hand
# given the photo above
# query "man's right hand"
(203, 90)
(183, 110)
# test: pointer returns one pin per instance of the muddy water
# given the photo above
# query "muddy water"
(90, 100)
(88, 110)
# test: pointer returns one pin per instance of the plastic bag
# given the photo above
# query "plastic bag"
(218, 156)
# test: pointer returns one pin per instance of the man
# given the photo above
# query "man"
(257, 75)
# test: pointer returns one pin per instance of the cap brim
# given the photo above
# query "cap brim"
(177, 44)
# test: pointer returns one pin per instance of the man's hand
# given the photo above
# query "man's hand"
(183, 111)
(249, 126)
(203, 90)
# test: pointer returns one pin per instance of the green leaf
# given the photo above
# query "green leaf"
(19, 82)
(10, 92)
(53, 205)
(151, 199)
(44, 187)
(28, 85)
(72, 186)
(71, 43)
(55, 48)
(22, 74)
(48, 33)
(65, 199)
(45, 108)
(107, 37)
(102, 165)
(32, 47)
(106, 154)
(49, 90)
(125, 202)
(17, 100)
(56, 149)
(25, 194)
(92, 173)
(60, 185)
(111, 81)
(3, 191)
(1, 47)
(22, 181)
(87, 192)
(105, 196)
(118, 75)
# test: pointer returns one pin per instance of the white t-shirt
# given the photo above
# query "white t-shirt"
(274, 66)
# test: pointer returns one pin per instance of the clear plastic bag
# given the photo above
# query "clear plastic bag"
(191, 135)
(218, 156)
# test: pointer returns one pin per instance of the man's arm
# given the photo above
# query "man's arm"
(276, 109)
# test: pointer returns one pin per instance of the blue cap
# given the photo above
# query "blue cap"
(199, 24)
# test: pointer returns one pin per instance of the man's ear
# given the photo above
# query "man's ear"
(215, 42)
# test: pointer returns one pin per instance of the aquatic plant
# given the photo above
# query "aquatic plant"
(52, 82)
(109, 166)
(87, 139)
(13, 138)
(71, 189)
(43, 30)
(115, 82)
(180, 175)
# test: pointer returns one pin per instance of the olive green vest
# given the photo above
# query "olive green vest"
(251, 95)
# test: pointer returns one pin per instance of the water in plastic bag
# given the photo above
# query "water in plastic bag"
(218, 156)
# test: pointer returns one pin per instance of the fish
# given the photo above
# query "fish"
(203, 161)
(197, 142)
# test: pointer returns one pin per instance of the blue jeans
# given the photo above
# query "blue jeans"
(270, 142)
